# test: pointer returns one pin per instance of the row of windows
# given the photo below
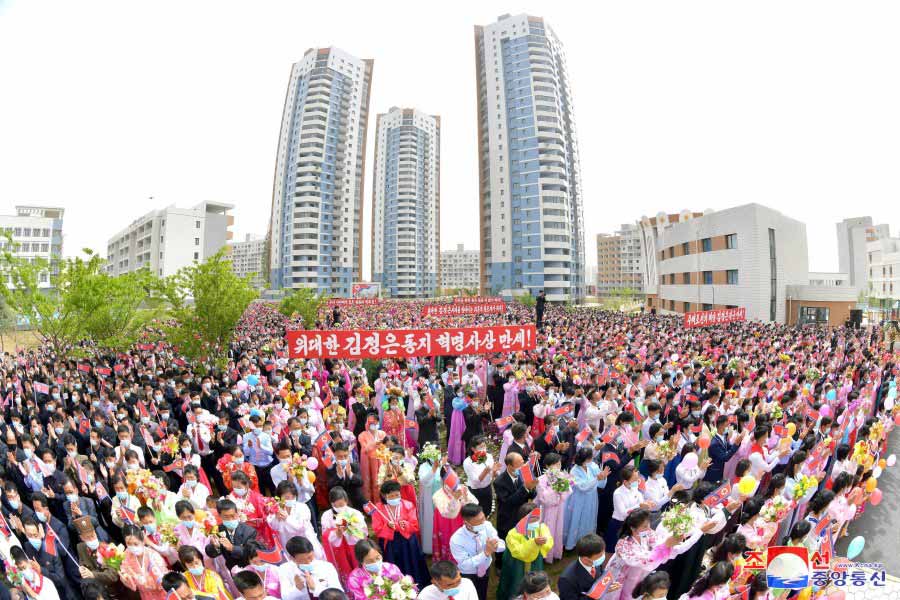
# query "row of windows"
(26, 231)
(706, 245)
(706, 278)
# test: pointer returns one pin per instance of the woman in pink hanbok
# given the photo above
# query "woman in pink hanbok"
(447, 520)
(641, 550)
(553, 503)
(510, 396)
(368, 462)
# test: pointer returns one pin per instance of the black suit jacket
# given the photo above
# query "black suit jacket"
(575, 581)
(511, 495)
(720, 453)
(352, 484)
(242, 535)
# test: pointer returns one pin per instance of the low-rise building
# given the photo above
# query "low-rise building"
(619, 261)
(248, 259)
(170, 238)
(37, 233)
(459, 268)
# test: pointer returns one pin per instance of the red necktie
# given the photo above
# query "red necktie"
(593, 573)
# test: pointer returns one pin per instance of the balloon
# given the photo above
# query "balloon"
(875, 498)
(871, 484)
(242, 385)
(747, 485)
(825, 411)
(791, 429)
(891, 460)
(882, 463)
(703, 442)
(312, 463)
(897, 419)
(690, 460)
(252, 379)
(804, 594)
(856, 547)
(876, 472)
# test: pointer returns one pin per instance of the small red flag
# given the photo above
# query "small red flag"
(105, 371)
(562, 410)
(610, 435)
(599, 586)
(526, 474)
(127, 514)
(522, 525)
(719, 495)
(370, 508)
(609, 456)
(583, 434)
(50, 541)
(548, 438)
(503, 421)
(273, 556)
(451, 479)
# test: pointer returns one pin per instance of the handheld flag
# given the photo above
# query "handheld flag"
(822, 524)
(84, 426)
(328, 458)
(522, 525)
(503, 421)
(273, 556)
(41, 388)
(563, 410)
(177, 465)
(50, 541)
(526, 474)
(548, 438)
(609, 457)
(599, 586)
(451, 479)
(127, 514)
(583, 434)
(323, 440)
(410, 424)
(610, 435)
(719, 495)
(4, 527)
(101, 492)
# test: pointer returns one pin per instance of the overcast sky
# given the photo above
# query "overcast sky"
(697, 105)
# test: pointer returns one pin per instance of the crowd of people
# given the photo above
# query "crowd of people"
(647, 457)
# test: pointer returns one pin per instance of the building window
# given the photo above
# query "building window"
(813, 315)
(707, 306)
(686, 306)
(731, 241)
(686, 278)
(197, 224)
(731, 276)
(707, 278)
(685, 248)
(196, 241)
(196, 256)
(707, 244)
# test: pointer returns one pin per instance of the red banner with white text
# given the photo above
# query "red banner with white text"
(475, 299)
(353, 301)
(466, 308)
(407, 343)
(714, 317)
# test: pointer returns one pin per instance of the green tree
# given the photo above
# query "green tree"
(128, 303)
(527, 300)
(207, 300)
(303, 303)
(8, 321)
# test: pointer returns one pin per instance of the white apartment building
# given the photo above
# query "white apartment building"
(170, 238)
(459, 268)
(619, 260)
(530, 207)
(853, 236)
(406, 201)
(316, 222)
(248, 258)
(883, 258)
(749, 256)
(36, 234)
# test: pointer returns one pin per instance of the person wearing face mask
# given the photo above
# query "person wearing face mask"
(75, 507)
(346, 475)
(303, 577)
(368, 462)
(552, 505)
(188, 531)
(536, 586)
(142, 568)
(402, 471)
(474, 546)
(641, 550)
(235, 462)
(342, 527)
(35, 585)
(655, 586)
(236, 534)
(626, 498)
(251, 507)
(713, 585)
(258, 449)
(199, 578)
(721, 449)
(579, 576)
(396, 525)
(192, 489)
(91, 567)
(120, 498)
(262, 574)
(447, 582)
(371, 565)
(12, 507)
(126, 443)
(51, 566)
(524, 551)
(293, 519)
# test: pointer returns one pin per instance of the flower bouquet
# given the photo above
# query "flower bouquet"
(111, 556)
(861, 455)
(384, 588)
(559, 481)
(351, 521)
(734, 364)
(775, 509)
(300, 469)
(167, 534)
(171, 446)
(144, 485)
(678, 520)
(665, 450)
(812, 375)
(226, 464)
(383, 454)
(479, 457)
(803, 485)
(431, 453)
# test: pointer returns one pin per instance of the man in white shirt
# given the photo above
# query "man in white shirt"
(250, 586)
(473, 547)
(303, 577)
(446, 583)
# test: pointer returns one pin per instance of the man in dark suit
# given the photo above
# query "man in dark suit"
(539, 303)
(474, 415)
(428, 419)
(237, 535)
(580, 575)
(50, 562)
(519, 444)
(345, 474)
(76, 506)
(42, 514)
(721, 450)
(511, 494)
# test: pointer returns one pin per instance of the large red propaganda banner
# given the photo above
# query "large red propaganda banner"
(714, 317)
(407, 343)
(464, 308)
(476, 299)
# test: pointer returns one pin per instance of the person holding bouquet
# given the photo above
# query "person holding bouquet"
(399, 470)
(199, 578)
(342, 527)
(429, 483)
(289, 517)
(369, 441)
(371, 566)
(142, 568)
(251, 507)
(553, 491)
(641, 550)
(396, 526)
(447, 505)
(235, 462)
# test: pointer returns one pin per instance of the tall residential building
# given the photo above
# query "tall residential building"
(883, 259)
(248, 258)
(36, 233)
(748, 256)
(316, 223)
(459, 268)
(406, 200)
(170, 238)
(853, 236)
(619, 260)
(530, 208)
